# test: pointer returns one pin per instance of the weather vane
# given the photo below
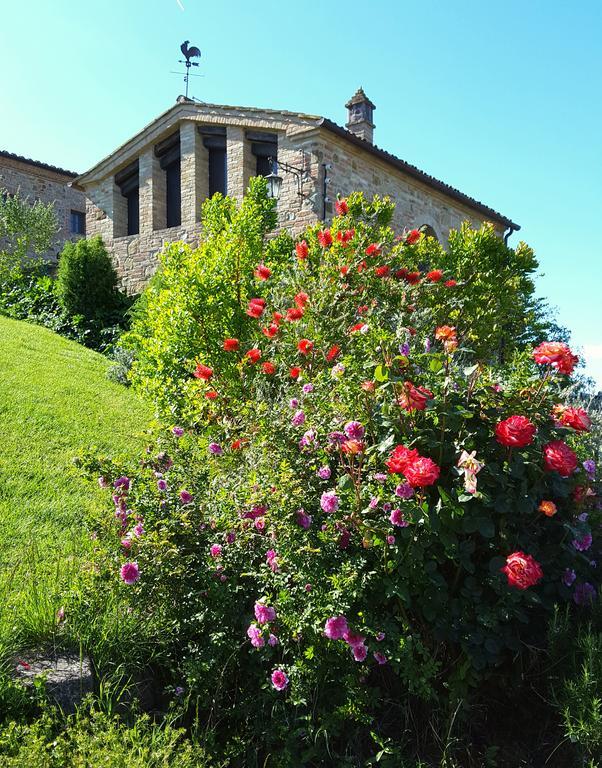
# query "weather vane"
(189, 53)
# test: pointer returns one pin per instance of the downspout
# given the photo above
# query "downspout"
(508, 233)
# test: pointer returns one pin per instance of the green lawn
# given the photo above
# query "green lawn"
(55, 403)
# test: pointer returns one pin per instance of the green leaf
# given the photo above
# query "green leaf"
(380, 373)
(345, 482)
(486, 527)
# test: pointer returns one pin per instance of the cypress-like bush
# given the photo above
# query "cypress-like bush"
(87, 282)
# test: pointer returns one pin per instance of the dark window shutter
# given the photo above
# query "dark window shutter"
(133, 203)
(174, 198)
(217, 171)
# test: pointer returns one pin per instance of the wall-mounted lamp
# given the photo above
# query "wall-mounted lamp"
(275, 181)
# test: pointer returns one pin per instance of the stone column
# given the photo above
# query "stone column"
(153, 195)
(238, 161)
(194, 160)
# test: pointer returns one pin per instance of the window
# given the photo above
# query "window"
(265, 148)
(133, 211)
(168, 152)
(428, 231)
(78, 223)
(128, 181)
(214, 141)
(174, 198)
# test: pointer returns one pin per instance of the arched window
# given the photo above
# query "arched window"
(428, 231)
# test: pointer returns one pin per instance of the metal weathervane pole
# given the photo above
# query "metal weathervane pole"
(189, 53)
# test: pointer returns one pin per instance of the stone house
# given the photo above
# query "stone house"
(34, 181)
(150, 190)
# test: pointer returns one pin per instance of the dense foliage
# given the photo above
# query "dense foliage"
(356, 514)
(27, 228)
(86, 287)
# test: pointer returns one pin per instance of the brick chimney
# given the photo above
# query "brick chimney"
(359, 112)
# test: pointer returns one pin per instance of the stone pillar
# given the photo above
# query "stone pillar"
(153, 195)
(194, 160)
(238, 161)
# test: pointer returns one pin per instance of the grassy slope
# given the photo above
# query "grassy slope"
(55, 403)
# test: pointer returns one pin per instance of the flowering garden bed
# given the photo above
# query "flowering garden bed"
(370, 497)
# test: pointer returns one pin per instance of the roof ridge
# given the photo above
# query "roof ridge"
(38, 163)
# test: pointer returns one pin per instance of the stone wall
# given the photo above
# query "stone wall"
(136, 257)
(416, 204)
(48, 186)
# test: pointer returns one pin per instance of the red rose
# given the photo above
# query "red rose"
(368, 386)
(295, 372)
(557, 354)
(254, 355)
(262, 272)
(211, 395)
(293, 314)
(413, 236)
(413, 278)
(414, 398)
(301, 299)
(305, 346)
(344, 270)
(302, 250)
(400, 458)
(382, 271)
(325, 238)
(558, 457)
(515, 432)
(277, 316)
(421, 472)
(203, 372)
(549, 352)
(373, 250)
(522, 571)
(434, 275)
(231, 345)
(577, 418)
(341, 207)
(450, 283)
(268, 368)
(333, 353)
(362, 266)
(567, 363)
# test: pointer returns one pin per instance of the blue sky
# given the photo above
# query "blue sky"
(501, 100)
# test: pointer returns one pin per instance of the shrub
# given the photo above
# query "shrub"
(26, 229)
(200, 293)
(86, 281)
(94, 740)
(352, 519)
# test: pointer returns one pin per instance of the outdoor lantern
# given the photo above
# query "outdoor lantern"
(274, 185)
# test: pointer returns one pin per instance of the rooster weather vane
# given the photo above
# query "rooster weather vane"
(189, 53)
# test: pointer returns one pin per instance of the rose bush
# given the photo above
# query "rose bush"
(345, 513)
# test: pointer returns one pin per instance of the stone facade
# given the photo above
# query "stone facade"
(317, 161)
(38, 181)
